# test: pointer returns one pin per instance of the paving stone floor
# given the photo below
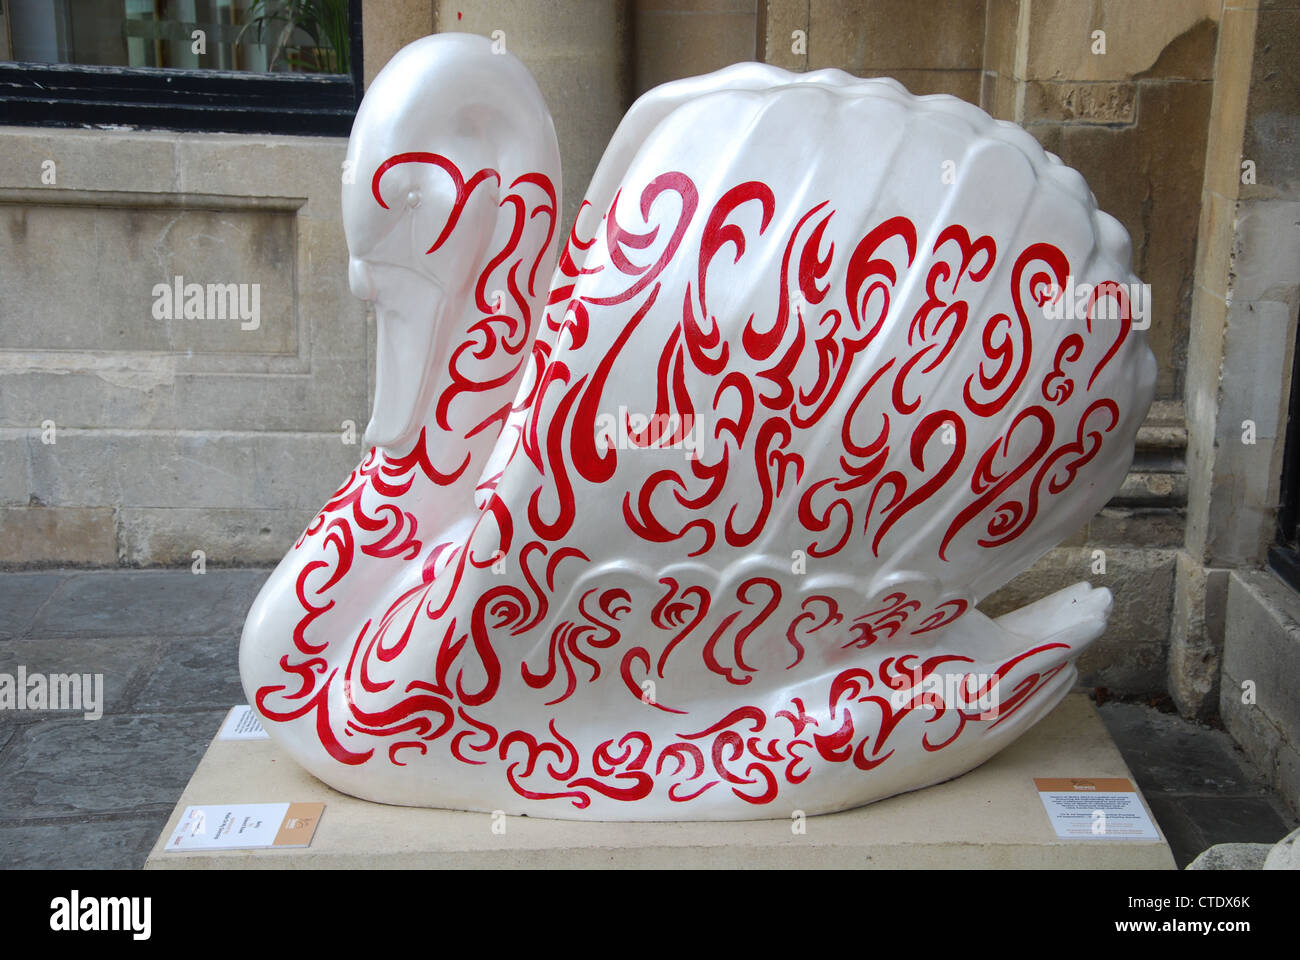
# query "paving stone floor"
(86, 794)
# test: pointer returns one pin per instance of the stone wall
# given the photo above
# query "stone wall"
(130, 433)
(1243, 331)
(579, 51)
(929, 46)
(672, 39)
(1261, 670)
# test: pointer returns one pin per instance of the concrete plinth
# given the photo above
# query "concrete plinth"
(991, 817)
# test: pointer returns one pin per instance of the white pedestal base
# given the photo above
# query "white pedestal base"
(989, 818)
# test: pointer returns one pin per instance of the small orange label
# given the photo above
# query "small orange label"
(299, 825)
(1084, 785)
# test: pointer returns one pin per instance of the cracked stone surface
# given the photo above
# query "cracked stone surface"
(1202, 789)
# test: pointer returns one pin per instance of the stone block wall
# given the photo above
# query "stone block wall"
(930, 46)
(672, 39)
(579, 52)
(1261, 670)
(131, 433)
(1242, 333)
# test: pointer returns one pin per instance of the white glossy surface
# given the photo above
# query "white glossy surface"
(846, 289)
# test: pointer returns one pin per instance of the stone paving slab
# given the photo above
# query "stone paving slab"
(1201, 787)
(149, 602)
(78, 793)
(200, 672)
(117, 844)
(114, 765)
(1184, 836)
(126, 664)
(1236, 819)
(1172, 755)
(21, 597)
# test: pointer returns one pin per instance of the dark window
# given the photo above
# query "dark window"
(1284, 557)
(247, 66)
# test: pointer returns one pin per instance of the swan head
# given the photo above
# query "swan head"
(442, 132)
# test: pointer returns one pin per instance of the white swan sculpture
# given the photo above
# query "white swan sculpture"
(697, 531)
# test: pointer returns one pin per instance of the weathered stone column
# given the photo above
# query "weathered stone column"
(1239, 371)
(389, 26)
(930, 46)
(685, 38)
(579, 53)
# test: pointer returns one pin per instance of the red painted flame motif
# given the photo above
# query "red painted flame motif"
(830, 442)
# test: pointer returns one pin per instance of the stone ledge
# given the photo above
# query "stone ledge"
(1261, 647)
(41, 535)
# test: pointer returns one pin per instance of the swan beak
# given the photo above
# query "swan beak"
(403, 376)
(361, 281)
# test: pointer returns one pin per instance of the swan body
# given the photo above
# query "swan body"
(697, 530)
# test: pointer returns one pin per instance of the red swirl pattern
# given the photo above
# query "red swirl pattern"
(823, 441)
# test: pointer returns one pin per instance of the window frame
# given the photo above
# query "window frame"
(214, 101)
